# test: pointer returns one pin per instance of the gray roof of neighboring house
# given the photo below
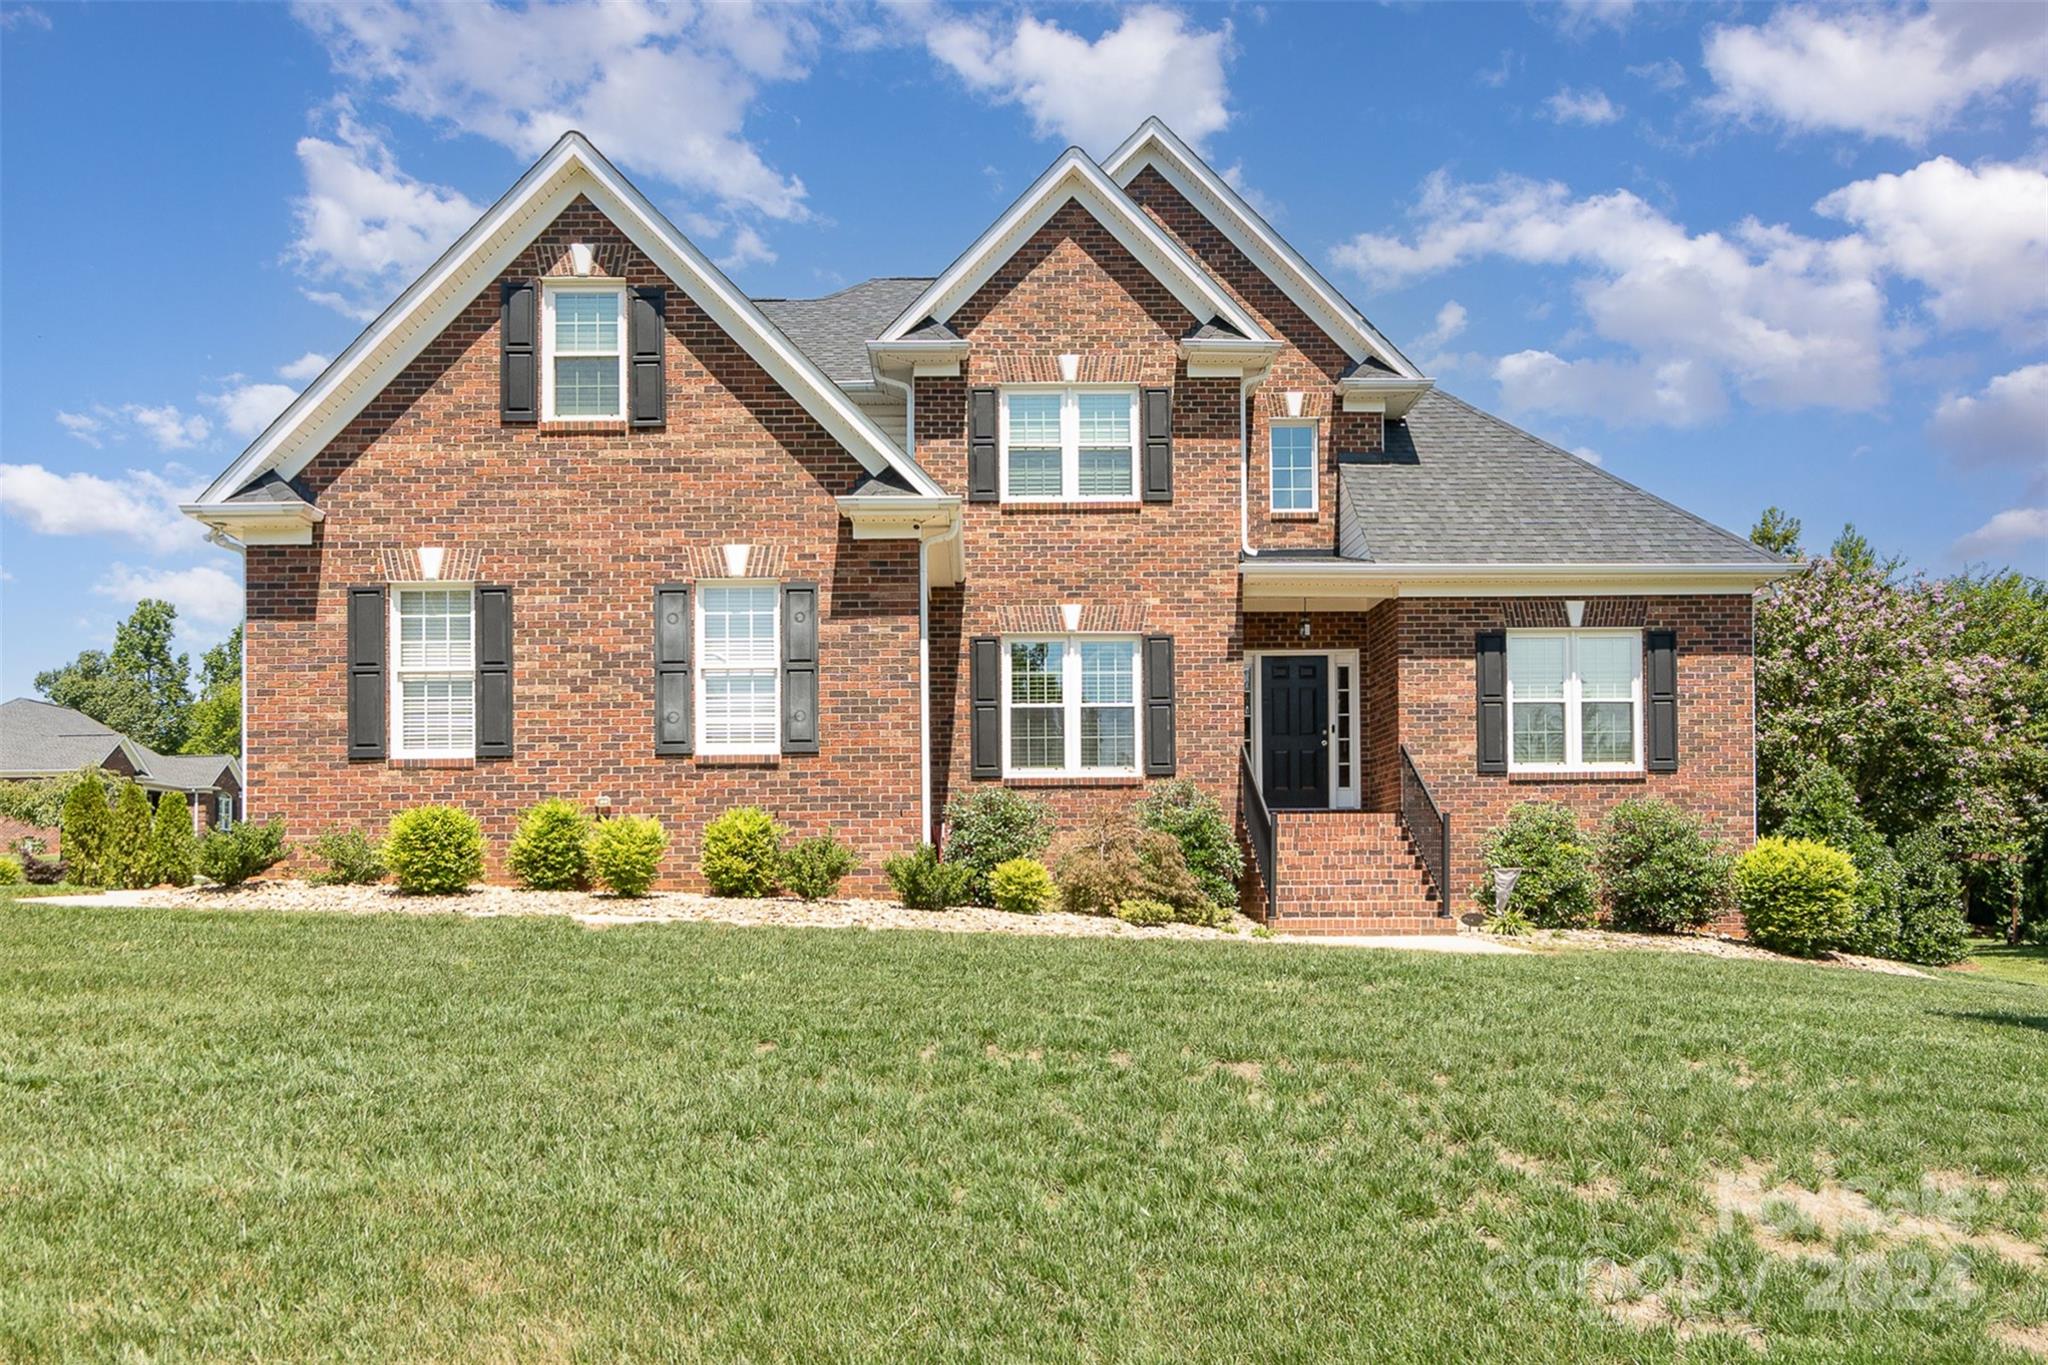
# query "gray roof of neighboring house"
(42, 737)
(834, 331)
(1458, 486)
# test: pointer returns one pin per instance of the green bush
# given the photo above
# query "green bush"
(351, 858)
(1819, 804)
(1557, 889)
(232, 856)
(1933, 928)
(1207, 842)
(742, 853)
(922, 882)
(39, 802)
(173, 851)
(813, 867)
(1110, 860)
(549, 851)
(434, 850)
(987, 828)
(128, 863)
(1207, 915)
(1144, 913)
(88, 831)
(1022, 886)
(1659, 871)
(10, 870)
(625, 853)
(1798, 896)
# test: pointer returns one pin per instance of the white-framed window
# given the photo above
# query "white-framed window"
(433, 672)
(1575, 700)
(1070, 706)
(1070, 444)
(739, 669)
(583, 352)
(1294, 466)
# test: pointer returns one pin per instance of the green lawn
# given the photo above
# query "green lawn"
(2028, 962)
(266, 1136)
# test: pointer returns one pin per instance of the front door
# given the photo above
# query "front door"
(1294, 732)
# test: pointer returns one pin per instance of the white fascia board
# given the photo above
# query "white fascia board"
(272, 523)
(1228, 358)
(1074, 176)
(420, 314)
(1288, 580)
(922, 358)
(1372, 393)
(1158, 146)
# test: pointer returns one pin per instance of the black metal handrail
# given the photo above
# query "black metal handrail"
(1258, 827)
(1428, 827)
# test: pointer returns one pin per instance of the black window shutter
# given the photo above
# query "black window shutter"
(1159, 718)
(518, 353)
(800, 668)
(674, 632)
(1660, 687)
(1158, 422)
(366, 684)
(649, 332)
(493, 672)
(982, 464)
(985, 734)
(1492, 652)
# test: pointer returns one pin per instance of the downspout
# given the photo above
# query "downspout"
(924, 612)
(216, 536)
(1244, 466)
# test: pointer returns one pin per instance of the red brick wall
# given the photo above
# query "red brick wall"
(583, 523)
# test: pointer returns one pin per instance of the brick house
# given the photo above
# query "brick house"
(1128, 492)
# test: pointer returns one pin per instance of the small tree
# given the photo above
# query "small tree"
(128, 862)
(173, 851)
(88, 828)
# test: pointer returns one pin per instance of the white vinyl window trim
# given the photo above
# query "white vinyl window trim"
(1090, 693)
(739, 667)
(433, 670)
(584, 346)
(1598, 676)
(1073, 442)
(1285, 482)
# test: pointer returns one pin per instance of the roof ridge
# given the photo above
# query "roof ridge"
(843, 290)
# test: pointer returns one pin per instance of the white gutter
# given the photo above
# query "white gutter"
(909, 411)
(1370, 571)
(924, 699)
(1244, 466)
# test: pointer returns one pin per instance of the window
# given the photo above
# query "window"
(1070, 706)
(1063, 444)
(434, 670)
(1294, 466)
(584, 377)
(738, 669)
(1574, 699)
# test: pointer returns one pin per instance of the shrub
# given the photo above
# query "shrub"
(173, 851)
(922, 882)
(10, 870)
(1660, 873)
(742, 852)
(1510, 922)
(39, 802)
(88, 829)
(1207, 915)
(1819, 804)
(625, 853)
(1110, 860)
(812, 867)
(1144, 913)
(1797, 896)
(1933, 928)
(352, 860)
(549, 850)
(128, 863)
(232, 856)
(988, 828)
(1556, 889)
(43, 871)
(1207, 842)
(434, 850)
(1022, 886)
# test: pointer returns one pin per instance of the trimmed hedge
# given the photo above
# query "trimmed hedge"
(549, 850)
(626, 851)
(742, 853)
(434, 850)
(1798, 896)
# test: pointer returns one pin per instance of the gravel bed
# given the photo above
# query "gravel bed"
(1707, 945)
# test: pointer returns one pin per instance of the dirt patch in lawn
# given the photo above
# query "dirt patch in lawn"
(1777, 1210)
(2032, 1339)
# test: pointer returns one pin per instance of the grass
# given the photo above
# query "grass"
(2028, 962)
(315, 1137)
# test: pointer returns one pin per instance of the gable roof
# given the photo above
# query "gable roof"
(39, 737)
(834, 330)
(1075, 178)
(570, 168)
(1158, 146)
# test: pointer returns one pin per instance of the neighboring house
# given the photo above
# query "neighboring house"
(1129, 491)
(39, 739)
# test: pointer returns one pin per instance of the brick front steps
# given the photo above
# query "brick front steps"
(1351, 872)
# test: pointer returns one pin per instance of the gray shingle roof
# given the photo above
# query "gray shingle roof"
(1458, 486)
(41, 737)
(270, 487)
(834, 331)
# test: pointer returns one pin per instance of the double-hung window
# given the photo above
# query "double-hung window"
(1575, 700)
(1068, 444)
(434, 672)
(1294, 466)
(738, 669)
(1070, 706)
(584, 374)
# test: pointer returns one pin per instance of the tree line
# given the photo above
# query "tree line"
(143, 690)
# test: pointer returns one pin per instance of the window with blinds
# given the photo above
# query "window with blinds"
(738, 669)
(1071, 706)
(586, 354)
(1070, 444)
(434, 672)
(1574, 700)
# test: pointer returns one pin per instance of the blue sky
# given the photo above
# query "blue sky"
(1739, 255)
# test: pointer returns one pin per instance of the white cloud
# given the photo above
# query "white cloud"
(1878, 72)
(1450, 321)
(2008, 533)
(1268, 207)
(304, 368)
(141, 505)
(1678, 392)
(1588, 454)
(1665, 74)
(202, 593)
(24, 16)
(170, 428)
(1095, 93)
(1976, 237)
(1590, 107)
(1576, 17)
(2004, 423)
(747, 249)
(83, 426)
(246, 408)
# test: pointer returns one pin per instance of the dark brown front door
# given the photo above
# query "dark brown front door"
(1294, 730)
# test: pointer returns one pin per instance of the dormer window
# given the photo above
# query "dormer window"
(1070, 444)
(583, 377)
